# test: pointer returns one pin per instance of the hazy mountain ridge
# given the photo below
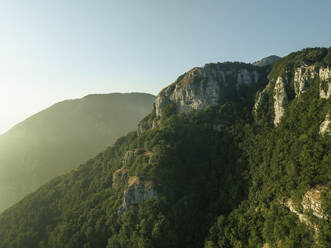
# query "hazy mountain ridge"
(59, 138)
(219, 174)
(266, 61)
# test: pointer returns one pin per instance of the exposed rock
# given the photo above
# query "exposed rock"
(120, 178)
(258, 99)
(128, 157)
(266, 61)
(280, 100)
(325, 73)
(325, 127)
(285, 89)
(303, 218)
(305, 74)
(312, 200)
(137, 192)
(325, 86)
(201, 87)
(246, 77)
(266, 245)
(302, 78)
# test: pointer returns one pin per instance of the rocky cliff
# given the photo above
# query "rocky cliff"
(203, 86)
(210, 179)
(292, 83)
(137, 192)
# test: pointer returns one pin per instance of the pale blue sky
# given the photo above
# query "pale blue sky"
(51, 50)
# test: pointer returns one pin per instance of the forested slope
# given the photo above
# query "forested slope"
(233, 155)
(58, 139)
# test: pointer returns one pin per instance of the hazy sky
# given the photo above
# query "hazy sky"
(51, 50)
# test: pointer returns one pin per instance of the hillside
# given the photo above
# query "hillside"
(232, 155)
(59, 138)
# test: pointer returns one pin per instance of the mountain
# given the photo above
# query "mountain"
(232, 155)
(266, 61)
(59, 138)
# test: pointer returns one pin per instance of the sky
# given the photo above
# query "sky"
(52, 50)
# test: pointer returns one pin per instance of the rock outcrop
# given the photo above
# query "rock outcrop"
(204, 86)
(325, 127)
(120, 178)
(137, 192)
(293, 84)
(280, 99)
(325, 87)
(312, 201)
(303, 76)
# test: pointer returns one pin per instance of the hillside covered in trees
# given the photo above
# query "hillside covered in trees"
(58, 139)
(232, 155)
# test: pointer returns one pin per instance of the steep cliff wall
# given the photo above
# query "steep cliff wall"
(205, 86)
(292, 83)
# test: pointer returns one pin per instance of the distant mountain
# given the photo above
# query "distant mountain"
(266, 61)
(59, 138)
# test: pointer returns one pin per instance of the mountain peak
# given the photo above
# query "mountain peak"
(266, 61)
(203, 86)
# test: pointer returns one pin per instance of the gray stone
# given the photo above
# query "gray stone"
(137, 192)
(325, 127)
(303, 76)
(325, 76)
(280, 100)
(201, 87)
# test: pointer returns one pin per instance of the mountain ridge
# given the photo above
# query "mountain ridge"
(217, 176)
(266, 60)
(38, 140)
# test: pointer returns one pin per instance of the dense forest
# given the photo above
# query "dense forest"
(217, 177)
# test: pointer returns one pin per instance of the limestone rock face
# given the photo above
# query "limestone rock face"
(201, 87)
(258, 100)
(312, 200)
(325, 87)
(280, 99)
(325, 127)
(304, 75)
(325, 73)
(302, 78)
(294, 84)
(137, 192)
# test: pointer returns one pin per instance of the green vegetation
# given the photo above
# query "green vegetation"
(61, 137)
(283, 163)
(222, 180)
